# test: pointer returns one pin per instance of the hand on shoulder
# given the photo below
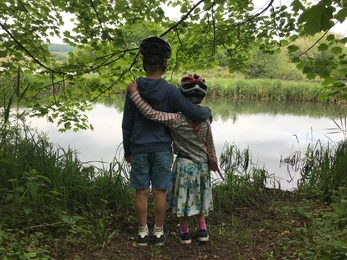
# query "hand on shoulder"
(132, 87)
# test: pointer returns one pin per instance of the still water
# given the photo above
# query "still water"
(270, 130)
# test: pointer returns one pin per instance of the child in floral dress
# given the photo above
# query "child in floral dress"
(191, 191)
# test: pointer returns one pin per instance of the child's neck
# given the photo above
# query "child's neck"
(154, 75)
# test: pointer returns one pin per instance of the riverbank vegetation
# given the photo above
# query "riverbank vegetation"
(55, 207)
(63, 96)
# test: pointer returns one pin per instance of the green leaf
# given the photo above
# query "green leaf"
(44, 177)
(32, 188)
(336, 50)
(295, 60)
(307, 70)
(297, 5)
(329, 80)
(292, 48)
(323, 96)
(311, 76)
(323, 47)
(330, 37)
(317, 18)
(339, 84)
(300, 66)
(283, 42)
(54, 192)
(341, 15)
(3, 53)
(27, 210)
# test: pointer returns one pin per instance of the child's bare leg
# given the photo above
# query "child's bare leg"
(183, 230)
(200, 218)
(159, 212)
(159, 206)
(200, 222)
(202, 231)
(141, 201)
(183, 224)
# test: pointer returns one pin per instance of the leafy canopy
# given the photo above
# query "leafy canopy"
(106, 35)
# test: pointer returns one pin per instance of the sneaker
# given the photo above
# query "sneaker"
(185, 237)
(203, 235)
(158, 236)
(143, 237)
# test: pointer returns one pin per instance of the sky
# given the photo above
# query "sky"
(174, 13)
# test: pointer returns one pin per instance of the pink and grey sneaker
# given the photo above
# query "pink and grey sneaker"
(185, 237)
(203, 235)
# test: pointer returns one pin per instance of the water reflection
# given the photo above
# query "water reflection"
(269, 129)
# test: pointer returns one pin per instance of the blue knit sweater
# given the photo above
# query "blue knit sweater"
(141, 135)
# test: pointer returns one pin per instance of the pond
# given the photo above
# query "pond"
(270, 130)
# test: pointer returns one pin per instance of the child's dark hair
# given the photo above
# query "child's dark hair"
(155, 52)
(153, 62)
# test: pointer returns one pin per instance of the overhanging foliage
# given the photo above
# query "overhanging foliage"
(106, 34)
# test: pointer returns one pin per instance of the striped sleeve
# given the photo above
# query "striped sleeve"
(209, 141)
(168, 119)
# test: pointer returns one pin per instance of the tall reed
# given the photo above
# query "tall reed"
(323, 171)
(243, 181)
(265, 89)
(36, 173)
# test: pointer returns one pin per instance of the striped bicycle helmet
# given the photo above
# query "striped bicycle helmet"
(193, 87)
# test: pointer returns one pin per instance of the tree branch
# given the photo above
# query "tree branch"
(100, 22)
(182, 19)
(26, 50)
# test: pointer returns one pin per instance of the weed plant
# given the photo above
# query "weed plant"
(324, 232)
(51, 202)
(243, 182)
(47, 193)
(322, 169)
(322, 187)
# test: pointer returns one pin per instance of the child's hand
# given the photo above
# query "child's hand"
(132, 87)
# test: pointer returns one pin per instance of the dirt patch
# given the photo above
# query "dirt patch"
(251, 232)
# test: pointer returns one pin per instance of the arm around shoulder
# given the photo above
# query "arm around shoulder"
(189, 109)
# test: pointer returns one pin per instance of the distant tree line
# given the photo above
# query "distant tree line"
(60, 47)
(260, 64)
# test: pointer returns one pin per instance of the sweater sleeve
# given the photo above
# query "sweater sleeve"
(189, 109)
(209, 141)
(168, 119)
(128, 124)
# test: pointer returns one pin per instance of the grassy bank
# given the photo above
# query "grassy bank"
(221, 83)
(54, 207)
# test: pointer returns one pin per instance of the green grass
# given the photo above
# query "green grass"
(243, 182)
(52, 204)
(45, 188)
(223, 84)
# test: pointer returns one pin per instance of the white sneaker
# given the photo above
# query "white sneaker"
(158, 236)
(143, 236)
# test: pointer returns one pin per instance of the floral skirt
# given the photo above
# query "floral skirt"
(191, 190)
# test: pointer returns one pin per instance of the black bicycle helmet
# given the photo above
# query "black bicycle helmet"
(155, 45)
(193, 87)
